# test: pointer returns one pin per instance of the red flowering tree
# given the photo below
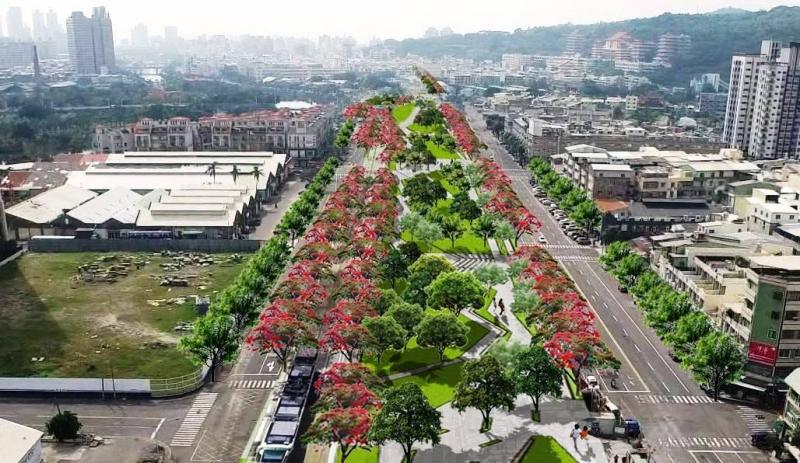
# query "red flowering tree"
(346, 337)
(346, 373)
(279, 332)
(345, 395)
(347, 427)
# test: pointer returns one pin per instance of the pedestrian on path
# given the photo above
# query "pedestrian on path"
(502, 306)
(575, 434)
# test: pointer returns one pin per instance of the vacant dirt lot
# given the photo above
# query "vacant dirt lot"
(53, 322)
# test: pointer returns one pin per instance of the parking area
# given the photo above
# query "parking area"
(727, 456)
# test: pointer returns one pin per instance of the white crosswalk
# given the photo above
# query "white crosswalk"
(674, 399)
(576, 258)
(565, 246)
(467, 262)
(194, 420)
(753, 418)
(251, 384)
(697, 442)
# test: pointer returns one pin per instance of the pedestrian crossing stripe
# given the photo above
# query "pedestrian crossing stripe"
(753, 418)
(194, 419)
(576, 258)
(715, 442)
(674, 399)
(251, 384)
(467, 262)
(565, 246)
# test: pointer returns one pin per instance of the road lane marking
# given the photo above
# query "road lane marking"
(153, 436)
(651, 366)
(605, 305)
(615, 318)
(658, 354)
(625, 333)
(605, 327)
(637, 348)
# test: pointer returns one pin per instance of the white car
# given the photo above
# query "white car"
(542, 239)
(592, 381)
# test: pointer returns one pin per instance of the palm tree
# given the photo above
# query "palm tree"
(212, 171)
(256, 173)
(484, 226)
(235, 173)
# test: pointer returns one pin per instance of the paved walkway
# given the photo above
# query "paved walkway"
(272, 215)
(462, 441)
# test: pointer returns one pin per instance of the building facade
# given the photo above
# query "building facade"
(763, 110)
(90, 42)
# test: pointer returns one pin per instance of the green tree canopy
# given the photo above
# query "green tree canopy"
(490, 275)
(688, 330)
(456, 291)
(214, 340)
(441, 330)
(484, 385)
(484, 226)
(717, 360)
(407, 315)
(422, 273)
(394, 266)
(406, 418)
(64, 425)
(536, 375)
(386, 334)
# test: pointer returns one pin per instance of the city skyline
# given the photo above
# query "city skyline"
(362, 21)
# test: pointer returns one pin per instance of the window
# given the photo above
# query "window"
(785, 353)
(772, 334)
(777, 295)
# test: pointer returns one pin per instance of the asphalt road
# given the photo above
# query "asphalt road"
(681, 423)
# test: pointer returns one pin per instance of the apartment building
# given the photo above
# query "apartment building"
(763, 110)
(670, 46)
(767, 211)
(302, 133)
(653, 174)
(91, 42)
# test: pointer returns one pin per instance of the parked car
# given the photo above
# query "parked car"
(583, 241)
(542, 239)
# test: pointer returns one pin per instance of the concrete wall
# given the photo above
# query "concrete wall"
(84, 245)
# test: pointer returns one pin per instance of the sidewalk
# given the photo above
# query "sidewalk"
(461, 443)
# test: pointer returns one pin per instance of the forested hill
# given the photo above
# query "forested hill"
(715, 36)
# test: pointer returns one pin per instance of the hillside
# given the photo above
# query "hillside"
(716, 37)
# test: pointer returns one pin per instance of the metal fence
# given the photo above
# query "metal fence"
(166, 387)
(145, 245)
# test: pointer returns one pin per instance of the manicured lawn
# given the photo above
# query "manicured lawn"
(402, 112)
(466, 243)
(441, 153)
(392, 166)
(547, 449)
(415, 356)
(437, 175)
(360, 455)
(424, 128)
(521, 318)
(84, 329)
(438, 384)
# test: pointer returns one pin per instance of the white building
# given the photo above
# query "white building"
(91, 42)
(20, 444)
(766, 212)
(762, 116)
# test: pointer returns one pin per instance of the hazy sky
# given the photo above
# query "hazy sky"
(365, 19)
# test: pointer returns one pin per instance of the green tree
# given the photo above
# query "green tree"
(388, 298)
(717, 360)
(240, 304)
(410, 250)
(588, 215)
(474, 175)
(515, 268)
(614, 253)
(406, 418)
(429, 232)
(668, 310)
(504, 231)
(490, 275)
(63, 425)
(213, 341)
(484, 226)
(572, 199)
(646, 282)
(560, 188)
(407, 315)
(394, 266)
(525, 300)
(455, 291)
(422, 273)
(292, 223)
(484, 385)
(536, 375)
(386, 334)
(421, 189)
(688, 330)
(629, 269)
(452, 229)
(505, 351)
(441, 330)
(409, 222)
(466, 208)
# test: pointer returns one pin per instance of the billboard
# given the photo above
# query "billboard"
(762, 353)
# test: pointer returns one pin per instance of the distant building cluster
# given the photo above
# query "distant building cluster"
(91, 42)
(301, 133)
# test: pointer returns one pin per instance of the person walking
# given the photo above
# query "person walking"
(502, 306)
(575, 434)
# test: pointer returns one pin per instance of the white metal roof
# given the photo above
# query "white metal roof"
(103, 208)
(793, 380)
(103, 179)
(791, 263)
(17, 440)
(129, 214)
(612, 167)
(48, 206)
(225, 218)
